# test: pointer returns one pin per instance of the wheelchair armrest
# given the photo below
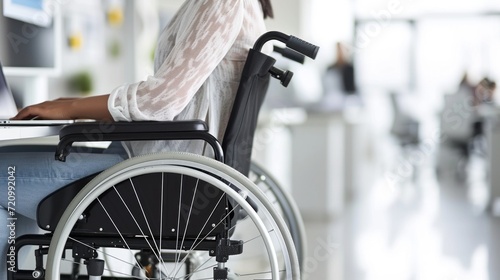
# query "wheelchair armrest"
(134, 131)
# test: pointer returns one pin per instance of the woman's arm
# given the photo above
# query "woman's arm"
(94, 107)
(211, 29)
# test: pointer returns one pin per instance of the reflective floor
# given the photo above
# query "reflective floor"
(424, 226)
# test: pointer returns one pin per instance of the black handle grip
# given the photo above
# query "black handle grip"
(303, 47)
(291, 42)
(290, 54)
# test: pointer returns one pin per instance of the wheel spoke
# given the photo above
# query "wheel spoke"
(147, 224)
(157, 255)
(161, 219)
(256, 237)
(187, 224)
(101, 251)
(118, 231)
(198, 270)
(195, 245)
(178, 225)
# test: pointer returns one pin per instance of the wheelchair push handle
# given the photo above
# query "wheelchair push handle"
(290, 54)
(303, 47)
(291, 42)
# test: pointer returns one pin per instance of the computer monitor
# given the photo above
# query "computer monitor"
(37, 12)
(30, 46)
(8, 106)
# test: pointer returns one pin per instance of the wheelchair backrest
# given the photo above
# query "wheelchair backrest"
(238, 138)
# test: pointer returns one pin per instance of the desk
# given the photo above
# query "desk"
(38, 135)
(327, 158)
(41, 135)
(13, 133)
(317, 156)
(318, 170)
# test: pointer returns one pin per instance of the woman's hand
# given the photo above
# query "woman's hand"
(94, 107)
(59, 109)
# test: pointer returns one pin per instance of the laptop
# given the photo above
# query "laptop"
(8, 109)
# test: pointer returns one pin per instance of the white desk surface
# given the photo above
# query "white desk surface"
(16, 133)
(38, 135)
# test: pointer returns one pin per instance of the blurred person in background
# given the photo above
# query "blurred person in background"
(339, 83)
(483, 102)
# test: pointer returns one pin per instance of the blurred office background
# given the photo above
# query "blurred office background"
(395, 174)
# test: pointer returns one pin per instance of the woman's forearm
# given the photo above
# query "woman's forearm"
(94, 107)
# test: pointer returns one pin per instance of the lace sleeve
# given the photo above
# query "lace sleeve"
(200, 47)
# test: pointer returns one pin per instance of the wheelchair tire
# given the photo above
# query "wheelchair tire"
(285, 204)
(278, 259)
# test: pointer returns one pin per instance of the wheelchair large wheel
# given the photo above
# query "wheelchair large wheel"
(285, 204)
(258, 246)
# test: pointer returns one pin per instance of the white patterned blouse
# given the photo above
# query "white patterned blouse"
(198, 63)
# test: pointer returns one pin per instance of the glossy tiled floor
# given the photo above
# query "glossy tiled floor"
(420, 228)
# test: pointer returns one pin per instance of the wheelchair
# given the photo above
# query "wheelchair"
(174, 215)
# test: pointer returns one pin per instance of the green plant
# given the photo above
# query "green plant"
(81, 82)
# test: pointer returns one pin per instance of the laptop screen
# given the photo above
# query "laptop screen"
(8, 107)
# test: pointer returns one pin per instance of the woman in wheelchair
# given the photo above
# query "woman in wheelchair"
(198, 64)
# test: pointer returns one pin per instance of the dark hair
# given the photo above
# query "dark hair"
(267, 8)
